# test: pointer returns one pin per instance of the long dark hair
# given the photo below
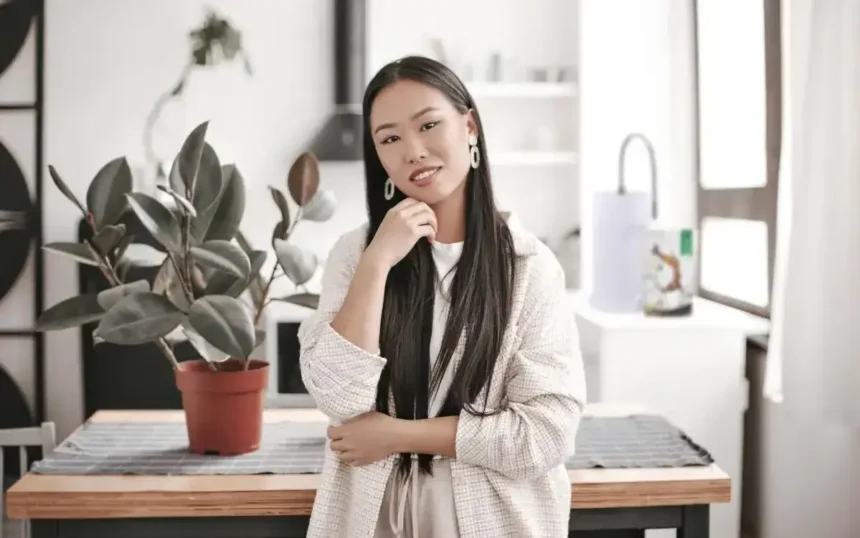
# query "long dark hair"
(481, 290)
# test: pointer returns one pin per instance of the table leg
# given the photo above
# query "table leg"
(695, 522)
(628, 522)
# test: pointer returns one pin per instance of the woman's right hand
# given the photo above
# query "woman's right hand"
(402, 227)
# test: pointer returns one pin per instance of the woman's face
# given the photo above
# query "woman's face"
(422, 140)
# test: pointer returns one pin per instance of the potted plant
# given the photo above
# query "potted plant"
(196, 290)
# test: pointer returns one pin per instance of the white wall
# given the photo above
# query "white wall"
(637, 75)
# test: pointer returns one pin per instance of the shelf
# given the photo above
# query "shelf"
(533, 158)
(525, 90)
(17, 106)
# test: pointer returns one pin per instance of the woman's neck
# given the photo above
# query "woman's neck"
(451, 217)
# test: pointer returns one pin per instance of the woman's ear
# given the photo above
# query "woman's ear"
(471, 124)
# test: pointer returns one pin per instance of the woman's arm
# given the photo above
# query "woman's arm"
(545, 392)
(339, 358)
(359, 318)
(544, 389)
(436, 436)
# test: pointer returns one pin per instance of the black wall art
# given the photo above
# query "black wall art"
(17, 221)
(21, 178)
(16, 17)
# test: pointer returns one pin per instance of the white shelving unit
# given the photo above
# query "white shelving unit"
(520, 98)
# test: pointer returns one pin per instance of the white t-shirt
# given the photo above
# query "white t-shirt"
(445, 255)
(427, 502)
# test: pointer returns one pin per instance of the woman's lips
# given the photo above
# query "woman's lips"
(424, 176)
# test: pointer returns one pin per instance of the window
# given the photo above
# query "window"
(739, 119)
(734, 263)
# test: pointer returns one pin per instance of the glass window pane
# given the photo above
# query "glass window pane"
(734, 259)
(732, 93)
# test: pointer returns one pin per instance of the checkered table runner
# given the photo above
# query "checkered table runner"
(297, 448)
(634, 442)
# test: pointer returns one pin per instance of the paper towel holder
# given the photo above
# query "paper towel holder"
(652, 159)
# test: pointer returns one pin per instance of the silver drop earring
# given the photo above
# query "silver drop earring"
(474, 154)
(389, 189)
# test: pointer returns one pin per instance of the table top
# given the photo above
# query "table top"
(107, 496)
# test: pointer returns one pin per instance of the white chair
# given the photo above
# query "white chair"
(44, 436)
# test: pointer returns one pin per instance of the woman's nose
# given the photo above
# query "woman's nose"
(415, 151)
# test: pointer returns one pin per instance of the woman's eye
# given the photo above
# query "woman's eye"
(390, 139)
(429, 125)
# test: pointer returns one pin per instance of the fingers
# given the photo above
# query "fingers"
(408, 210)
(423, 215)
(335, 432)
(411, 208)
(419, 216)
(346, 454)
(353, 460)
(427, 231)
(405, 204)
(425, 222)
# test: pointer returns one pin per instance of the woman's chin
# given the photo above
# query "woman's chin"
(430, 196)
(433, 193)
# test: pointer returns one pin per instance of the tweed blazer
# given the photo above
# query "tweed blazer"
(508, 476)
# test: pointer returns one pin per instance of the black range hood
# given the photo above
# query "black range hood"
(341, 136)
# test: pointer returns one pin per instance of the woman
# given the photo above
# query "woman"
(442, 347)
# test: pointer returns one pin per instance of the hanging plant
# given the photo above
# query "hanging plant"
(215, 42)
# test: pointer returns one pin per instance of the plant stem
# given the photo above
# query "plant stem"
(161, 344)
(185, 279)
(110, 274)
(185, 274)
(188, 293)
(265, 294)
(189, 263)
(264, 299)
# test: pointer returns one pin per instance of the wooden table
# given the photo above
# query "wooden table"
(606, 502)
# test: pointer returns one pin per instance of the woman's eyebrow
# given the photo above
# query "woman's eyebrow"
(413, 117)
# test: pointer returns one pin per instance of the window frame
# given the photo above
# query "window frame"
(755, 203)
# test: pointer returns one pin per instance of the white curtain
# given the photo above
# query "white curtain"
(813, 365)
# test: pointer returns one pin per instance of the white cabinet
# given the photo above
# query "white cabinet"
(690, 369)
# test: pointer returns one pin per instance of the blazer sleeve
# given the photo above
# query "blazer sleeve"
(340, 376)
(545, 389)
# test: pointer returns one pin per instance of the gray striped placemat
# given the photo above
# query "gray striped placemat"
(297, 448)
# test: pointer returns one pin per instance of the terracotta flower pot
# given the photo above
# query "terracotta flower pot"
(223, 409)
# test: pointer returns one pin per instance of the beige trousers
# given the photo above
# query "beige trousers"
(421, 507)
